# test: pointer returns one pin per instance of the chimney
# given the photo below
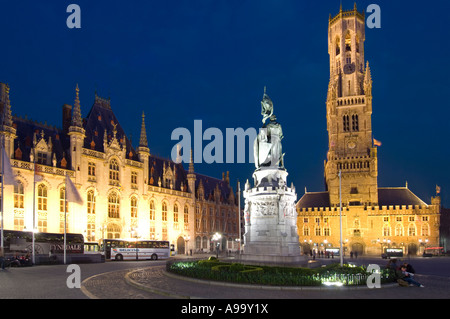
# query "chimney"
(66, 117)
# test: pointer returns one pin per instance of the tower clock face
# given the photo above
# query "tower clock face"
(351, 145)
(349, 68)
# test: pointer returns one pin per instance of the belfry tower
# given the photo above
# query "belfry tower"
(349, 114)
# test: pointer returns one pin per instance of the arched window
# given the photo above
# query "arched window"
(398, 230)
(18, 206)
(348, 42)
(305, 231)
(90, 227)
(186, 217)
(152, 210)
(164, 212)
(338, 45)
(18, 195)
(175, 217)
(114, 171)
(412, 230)
(386, 230)
(42, 197)
(133, 205)
(62, 200)
(112, 231)
(113, 205)
(42, 208)
(91, 202)
(355, 124)
(425, 229)
(346, 123)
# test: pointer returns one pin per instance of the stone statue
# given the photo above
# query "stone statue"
(267, 146)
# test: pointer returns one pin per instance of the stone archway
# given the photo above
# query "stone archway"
(181, 246)
(357, 248)
(412, 249)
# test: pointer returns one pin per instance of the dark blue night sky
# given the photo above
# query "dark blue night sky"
(179, 61)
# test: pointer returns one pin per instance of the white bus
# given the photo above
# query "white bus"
(121, 249)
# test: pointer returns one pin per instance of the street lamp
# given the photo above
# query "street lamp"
(216, 237)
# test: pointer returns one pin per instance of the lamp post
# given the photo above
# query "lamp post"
(216, 237)
(341, 255)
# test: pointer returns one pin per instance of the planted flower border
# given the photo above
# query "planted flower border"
(213, 269)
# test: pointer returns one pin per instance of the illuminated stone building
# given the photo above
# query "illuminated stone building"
(373, 217)
(127, 191)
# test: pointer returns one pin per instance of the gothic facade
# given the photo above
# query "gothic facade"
(127, 191)
(373, 217)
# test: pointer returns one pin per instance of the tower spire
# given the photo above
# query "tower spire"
(191, 164)
(76, 115)
(143, 139)
(6, 116)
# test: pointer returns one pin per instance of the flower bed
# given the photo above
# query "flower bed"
(216, 270)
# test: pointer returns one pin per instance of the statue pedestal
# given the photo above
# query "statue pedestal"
(271, 219)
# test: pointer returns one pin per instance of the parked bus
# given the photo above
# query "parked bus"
(44, 243)
(91, 248)
(121, 249)
(433, 251)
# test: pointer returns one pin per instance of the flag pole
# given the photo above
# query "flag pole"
(65, 216)
(3, 198)
(341, 255)
(33, 255)
(239, 215)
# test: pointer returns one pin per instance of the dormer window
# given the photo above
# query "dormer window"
(41, 158)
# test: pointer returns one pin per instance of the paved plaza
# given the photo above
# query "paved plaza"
(149, 280)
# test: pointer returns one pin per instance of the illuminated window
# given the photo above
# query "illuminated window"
(164, 212)
(114, 171)
(91, 202)
(348, 42)
(133, 179)
(175, 217)
(18, 195)
(90, 227)
(133, 204)
(425, 230)
(305, 231)
(152, 210)
(91, 169)
(62, 201)
(42, 197)
(186, 217)
(113, 205)
(411, 230)
(398, 230)
(112, 231)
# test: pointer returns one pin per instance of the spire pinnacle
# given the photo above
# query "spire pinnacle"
(143, 139)
(191, 164)
(76, 115)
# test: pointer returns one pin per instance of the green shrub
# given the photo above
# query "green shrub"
(268, 275)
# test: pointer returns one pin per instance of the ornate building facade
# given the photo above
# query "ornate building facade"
(127, 191)
(373, 217)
